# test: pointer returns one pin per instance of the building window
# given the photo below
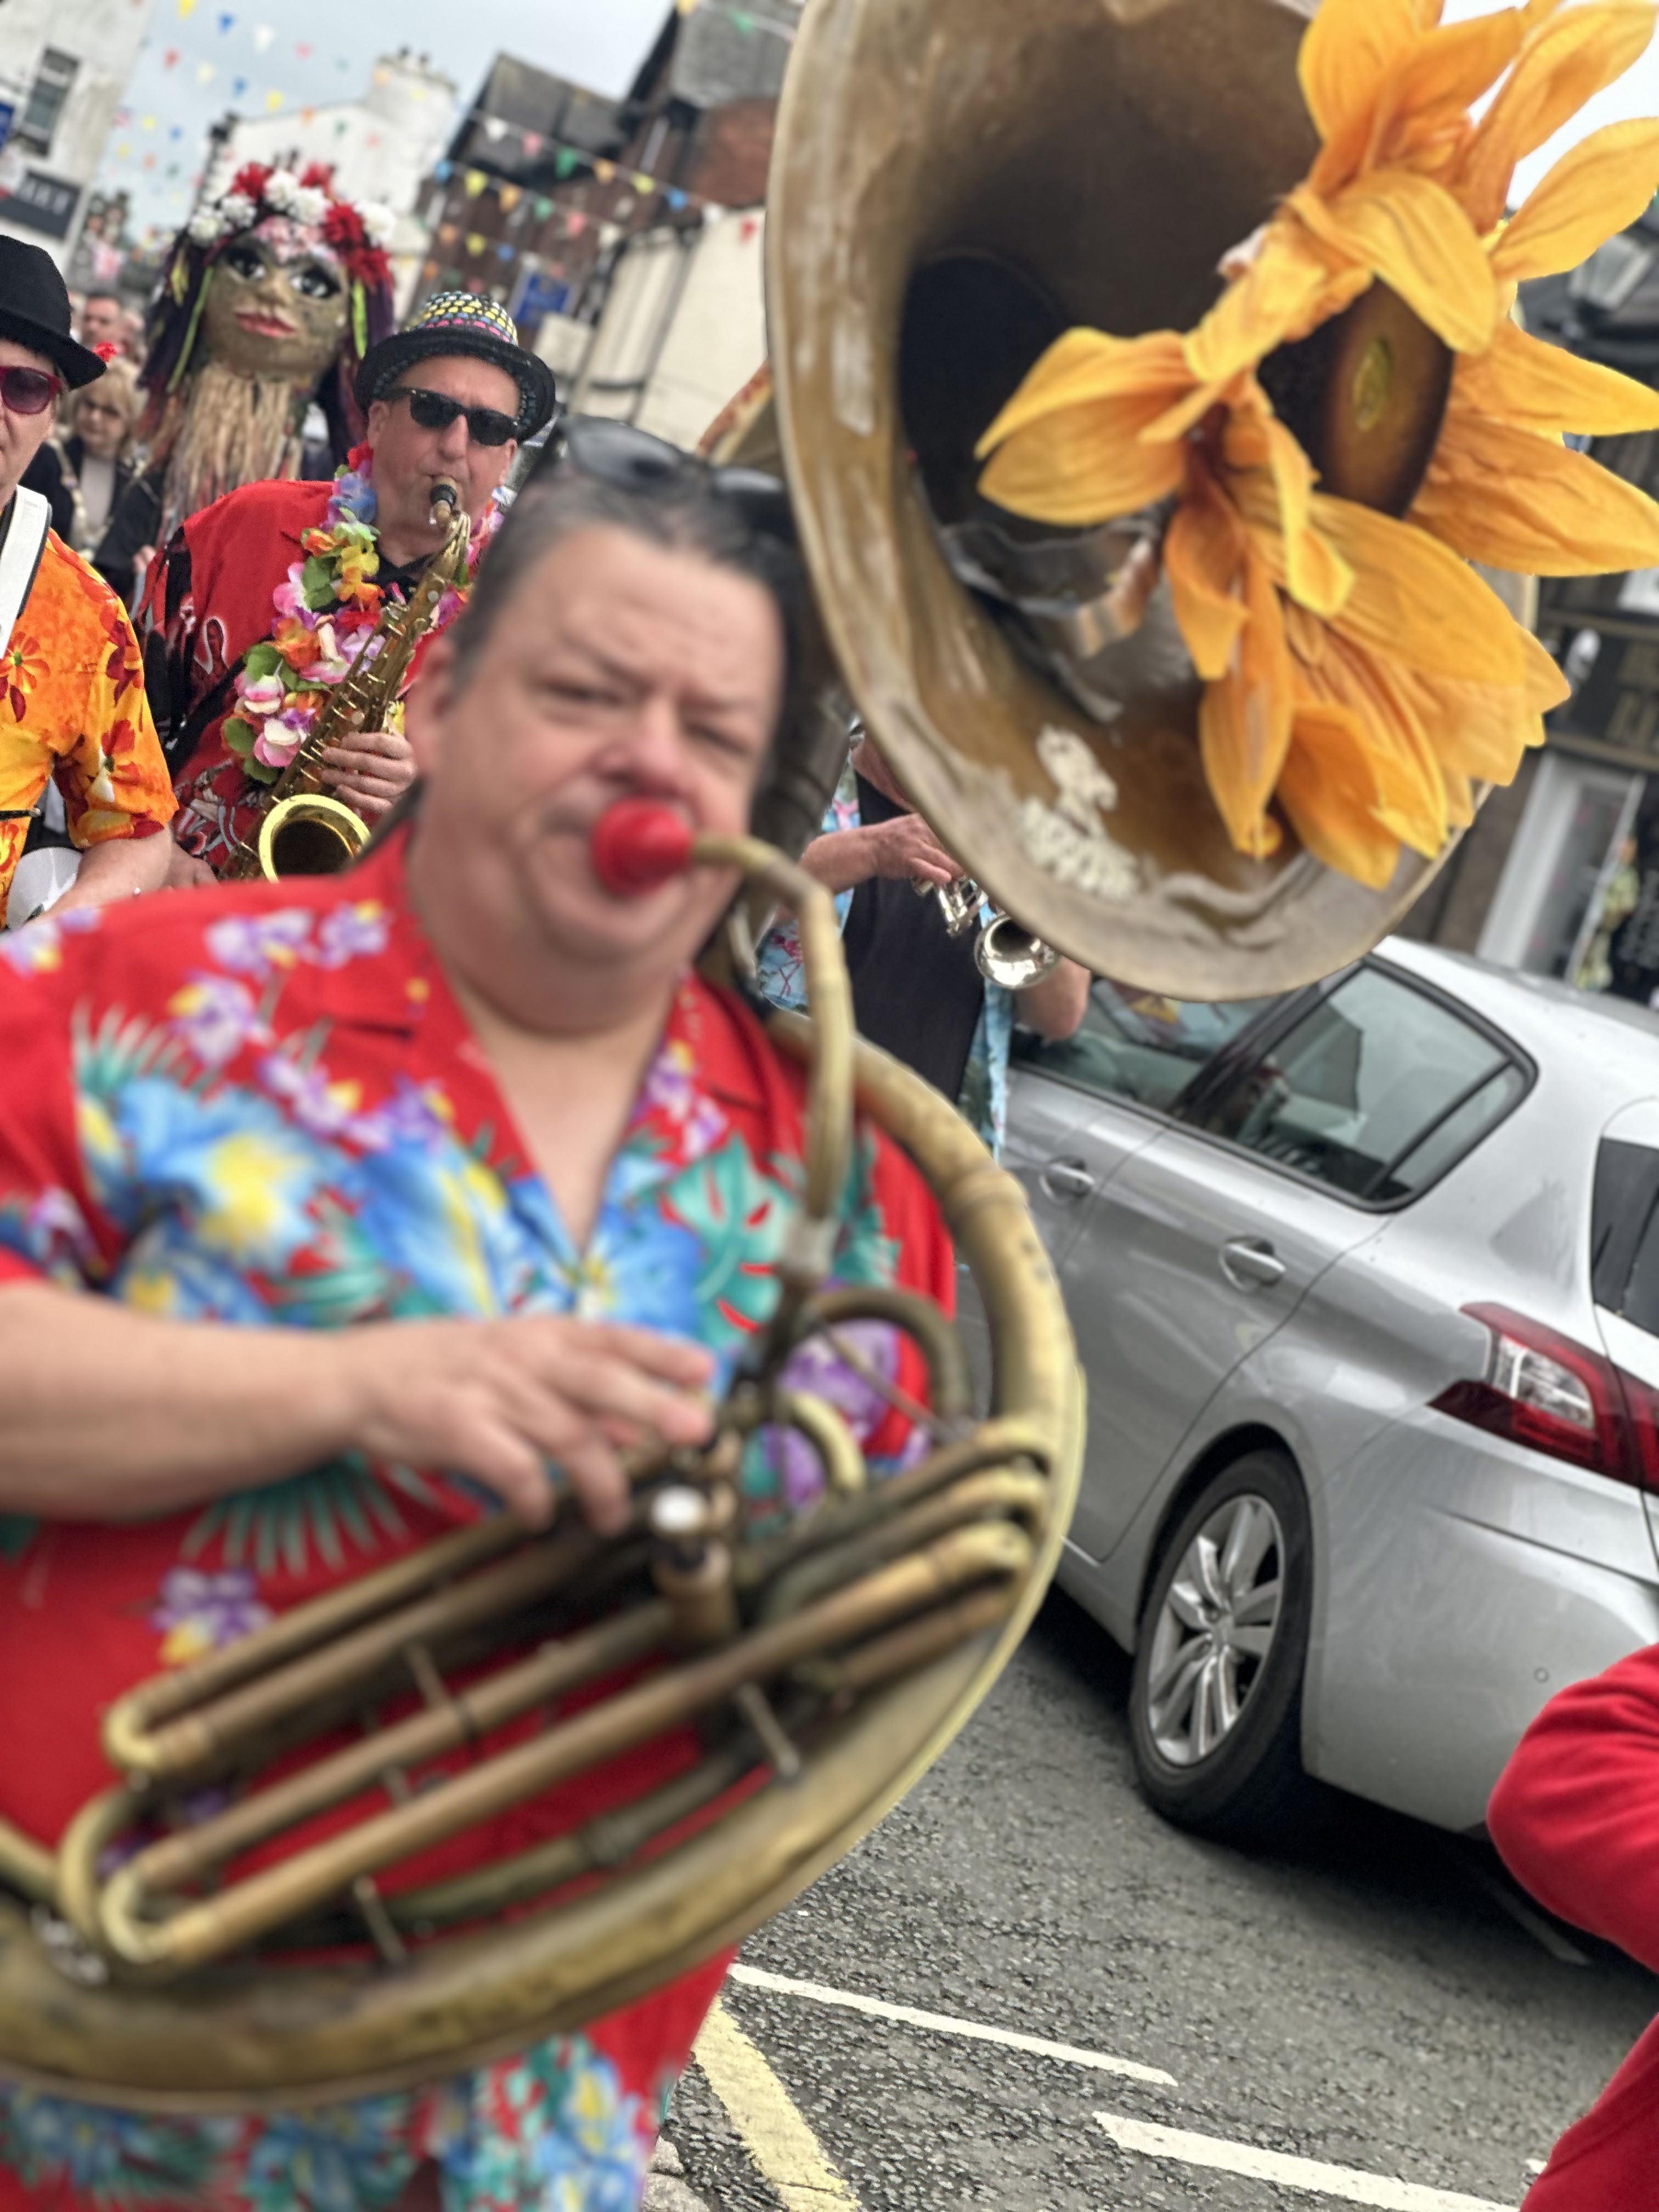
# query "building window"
(35, 126)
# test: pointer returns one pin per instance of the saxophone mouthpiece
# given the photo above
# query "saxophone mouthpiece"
(446, 504)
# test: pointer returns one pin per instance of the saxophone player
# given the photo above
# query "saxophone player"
(259, 605)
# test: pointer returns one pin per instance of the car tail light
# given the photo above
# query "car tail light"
(1545, 1390)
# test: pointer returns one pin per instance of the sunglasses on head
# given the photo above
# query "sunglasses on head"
(28, 390)
(633, 460)
(436, 410)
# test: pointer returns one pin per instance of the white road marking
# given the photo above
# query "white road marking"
(1347, 2183)
(941, 2023)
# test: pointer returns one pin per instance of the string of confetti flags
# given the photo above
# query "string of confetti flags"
(569, 163)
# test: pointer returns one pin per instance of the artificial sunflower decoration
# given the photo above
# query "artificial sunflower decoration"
(1359, 417)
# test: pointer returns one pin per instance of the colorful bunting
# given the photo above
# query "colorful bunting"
(262, 35)
(476, 242)
(605, 171)
(473, 183)
(273, 100)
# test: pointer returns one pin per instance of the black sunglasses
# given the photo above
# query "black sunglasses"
(436, 410)
(633, 459)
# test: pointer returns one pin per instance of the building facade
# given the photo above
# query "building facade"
(551, 197)
(64, 68)
(1560, 876)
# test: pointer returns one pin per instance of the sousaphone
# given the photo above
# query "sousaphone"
(953, 190)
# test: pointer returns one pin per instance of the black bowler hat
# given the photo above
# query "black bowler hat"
(34, 310)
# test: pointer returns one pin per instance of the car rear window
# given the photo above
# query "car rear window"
(1625, 1233)
(1377, 1090)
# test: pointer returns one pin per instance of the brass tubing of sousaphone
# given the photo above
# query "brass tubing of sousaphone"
(950, 1376)
(829, 1064)
(465, 1717)
(226, 1725)
(201, 1932)
(130, 1721)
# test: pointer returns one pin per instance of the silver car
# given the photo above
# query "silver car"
(1365, 1280)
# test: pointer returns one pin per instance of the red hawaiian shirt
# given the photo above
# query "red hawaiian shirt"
(262, 1101)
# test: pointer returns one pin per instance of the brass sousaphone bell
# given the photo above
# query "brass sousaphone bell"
(951, 190)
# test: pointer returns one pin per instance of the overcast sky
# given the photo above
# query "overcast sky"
(254, 54)
(201, 57)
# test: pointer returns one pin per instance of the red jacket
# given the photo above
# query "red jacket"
(1576, 1817)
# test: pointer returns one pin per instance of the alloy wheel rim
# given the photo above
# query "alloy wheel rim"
(1215, 1628)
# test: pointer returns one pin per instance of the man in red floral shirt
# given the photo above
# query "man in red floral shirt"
(263, 600)
(498, 1182)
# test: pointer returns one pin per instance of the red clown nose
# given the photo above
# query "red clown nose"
(637, 845)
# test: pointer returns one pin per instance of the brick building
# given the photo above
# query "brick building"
(545, 181)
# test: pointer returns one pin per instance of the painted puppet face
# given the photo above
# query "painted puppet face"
(276, 304)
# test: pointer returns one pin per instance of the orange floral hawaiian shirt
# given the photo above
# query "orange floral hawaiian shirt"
(72, 707)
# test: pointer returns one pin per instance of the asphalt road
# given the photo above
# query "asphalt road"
(1369, 2003)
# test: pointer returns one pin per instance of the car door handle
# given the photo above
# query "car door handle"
(1067, 1179)
(1250, 1263)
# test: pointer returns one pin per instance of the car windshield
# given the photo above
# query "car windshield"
(1140, 1045)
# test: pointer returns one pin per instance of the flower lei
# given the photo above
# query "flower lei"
(327, 607)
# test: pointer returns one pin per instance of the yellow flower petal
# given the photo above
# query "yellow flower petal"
(1414, 601)
(1517, 501)
(1346, 56)
(1329, 795)
(1086, 365)
(1597, 188)
(1288, 289)
(1203, 554)
(1432, 90)
(1546, 686)
(1244, 719)
(1085, 465)
(1547, 389)
(1477, 730)
(1410, 232)
(1316, 576)
(1571, 56)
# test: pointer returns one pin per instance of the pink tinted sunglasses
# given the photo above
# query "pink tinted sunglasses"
(28, 390)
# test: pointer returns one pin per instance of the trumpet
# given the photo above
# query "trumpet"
(1007, 953)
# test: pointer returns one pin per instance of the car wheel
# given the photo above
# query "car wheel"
(1215, 1701)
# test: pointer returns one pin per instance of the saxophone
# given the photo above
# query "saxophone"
(304, 831)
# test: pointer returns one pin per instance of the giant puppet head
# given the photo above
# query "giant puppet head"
(272, 295)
